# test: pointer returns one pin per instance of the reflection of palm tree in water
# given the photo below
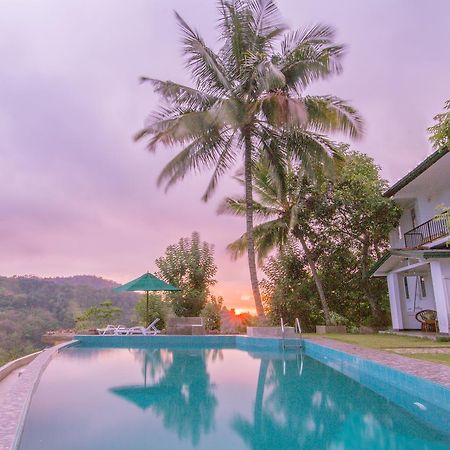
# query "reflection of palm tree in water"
(320, 409)
(285, 414)
(176, 387)
(264, 432)
(155, 363)
(190, 409)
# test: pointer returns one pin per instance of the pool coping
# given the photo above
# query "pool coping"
(14, 407)
(15, 402)
(427, 370)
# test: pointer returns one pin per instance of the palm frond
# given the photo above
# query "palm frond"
(267, 23)
(267, 237)
(170, 129)
(202, 153)
(315, 154)
(207, 70)
(237, 207)
(225, 161)
(309, 54)
(181, 96)
(331, 114)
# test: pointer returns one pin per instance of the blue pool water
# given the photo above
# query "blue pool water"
(203, 398)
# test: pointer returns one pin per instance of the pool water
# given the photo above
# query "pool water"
(180, 398)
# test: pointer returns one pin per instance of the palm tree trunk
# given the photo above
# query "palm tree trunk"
(258, 409)
(315, 275)
(249, 221)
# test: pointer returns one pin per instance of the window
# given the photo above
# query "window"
(405, 283)
(423, 289)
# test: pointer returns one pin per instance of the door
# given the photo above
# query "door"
(417, 296)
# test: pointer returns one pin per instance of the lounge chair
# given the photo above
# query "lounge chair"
(150, 330)
(110, 329)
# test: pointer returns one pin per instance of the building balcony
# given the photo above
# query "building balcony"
(434, 229)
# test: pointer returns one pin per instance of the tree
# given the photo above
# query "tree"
(362, 219)
(286, 209)
(440, 131)
(158, 307)
(288, 288)
(211, 313)
(99, 316)
(335, 230)
(249, 98)
(189, 265)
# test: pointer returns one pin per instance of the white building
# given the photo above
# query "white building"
(417, 266)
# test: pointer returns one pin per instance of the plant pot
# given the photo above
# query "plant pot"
(326, 329)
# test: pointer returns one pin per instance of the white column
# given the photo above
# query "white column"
(395, 301)
(440, 296)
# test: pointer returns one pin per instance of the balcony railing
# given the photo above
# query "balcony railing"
(427, 232)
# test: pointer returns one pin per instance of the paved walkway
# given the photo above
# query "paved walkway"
(15, 400)
(438, 373)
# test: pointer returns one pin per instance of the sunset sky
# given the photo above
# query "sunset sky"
(78, 196)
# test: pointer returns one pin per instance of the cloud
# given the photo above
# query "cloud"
(79, 196)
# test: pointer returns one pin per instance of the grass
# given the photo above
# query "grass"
(388, 342)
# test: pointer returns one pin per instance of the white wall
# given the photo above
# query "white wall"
(426, 207)
(428, 204)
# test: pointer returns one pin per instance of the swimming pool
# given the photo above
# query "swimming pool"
(220, 395)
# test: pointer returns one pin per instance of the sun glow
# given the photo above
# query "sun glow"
(245, 310)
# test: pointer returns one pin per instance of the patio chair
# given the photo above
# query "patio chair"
(428, 320)
(110, 329)
(150, 330)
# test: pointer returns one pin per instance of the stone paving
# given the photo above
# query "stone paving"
(438, 373)
(14, 402)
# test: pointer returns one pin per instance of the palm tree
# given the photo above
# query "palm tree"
(248, 97)
(284, 214)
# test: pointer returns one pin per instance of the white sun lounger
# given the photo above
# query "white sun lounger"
(111, 329)
(150, 330)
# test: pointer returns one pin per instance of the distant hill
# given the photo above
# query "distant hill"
(30, 306)
(85, 280)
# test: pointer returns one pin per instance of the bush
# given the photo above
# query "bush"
(98, 316)
(211, 313)
(157, 308)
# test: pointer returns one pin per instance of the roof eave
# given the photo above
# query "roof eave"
(418, 170)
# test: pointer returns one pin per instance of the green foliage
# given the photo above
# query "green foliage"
(440, 131)
(249, 99)
(31, 306)
(211, 313)
(98, 316)
(158, 307)
(345, 222)
(288, 289)
(190, 266)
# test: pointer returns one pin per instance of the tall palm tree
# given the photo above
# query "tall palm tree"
(283, 215)
(247, 97)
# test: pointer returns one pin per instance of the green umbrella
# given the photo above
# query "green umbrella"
(147, 283)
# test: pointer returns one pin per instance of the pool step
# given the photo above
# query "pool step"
(292, 346)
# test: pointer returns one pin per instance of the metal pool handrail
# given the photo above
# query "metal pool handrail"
(297, 327)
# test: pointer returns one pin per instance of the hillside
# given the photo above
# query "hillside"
(30, 306)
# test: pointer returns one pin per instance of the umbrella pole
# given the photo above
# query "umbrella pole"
(146, 316)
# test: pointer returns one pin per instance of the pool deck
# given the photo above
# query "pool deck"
(435, 372)
(14, 400)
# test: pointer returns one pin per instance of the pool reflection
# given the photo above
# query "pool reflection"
(177, 387)
(184, 398)
(318, 408)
